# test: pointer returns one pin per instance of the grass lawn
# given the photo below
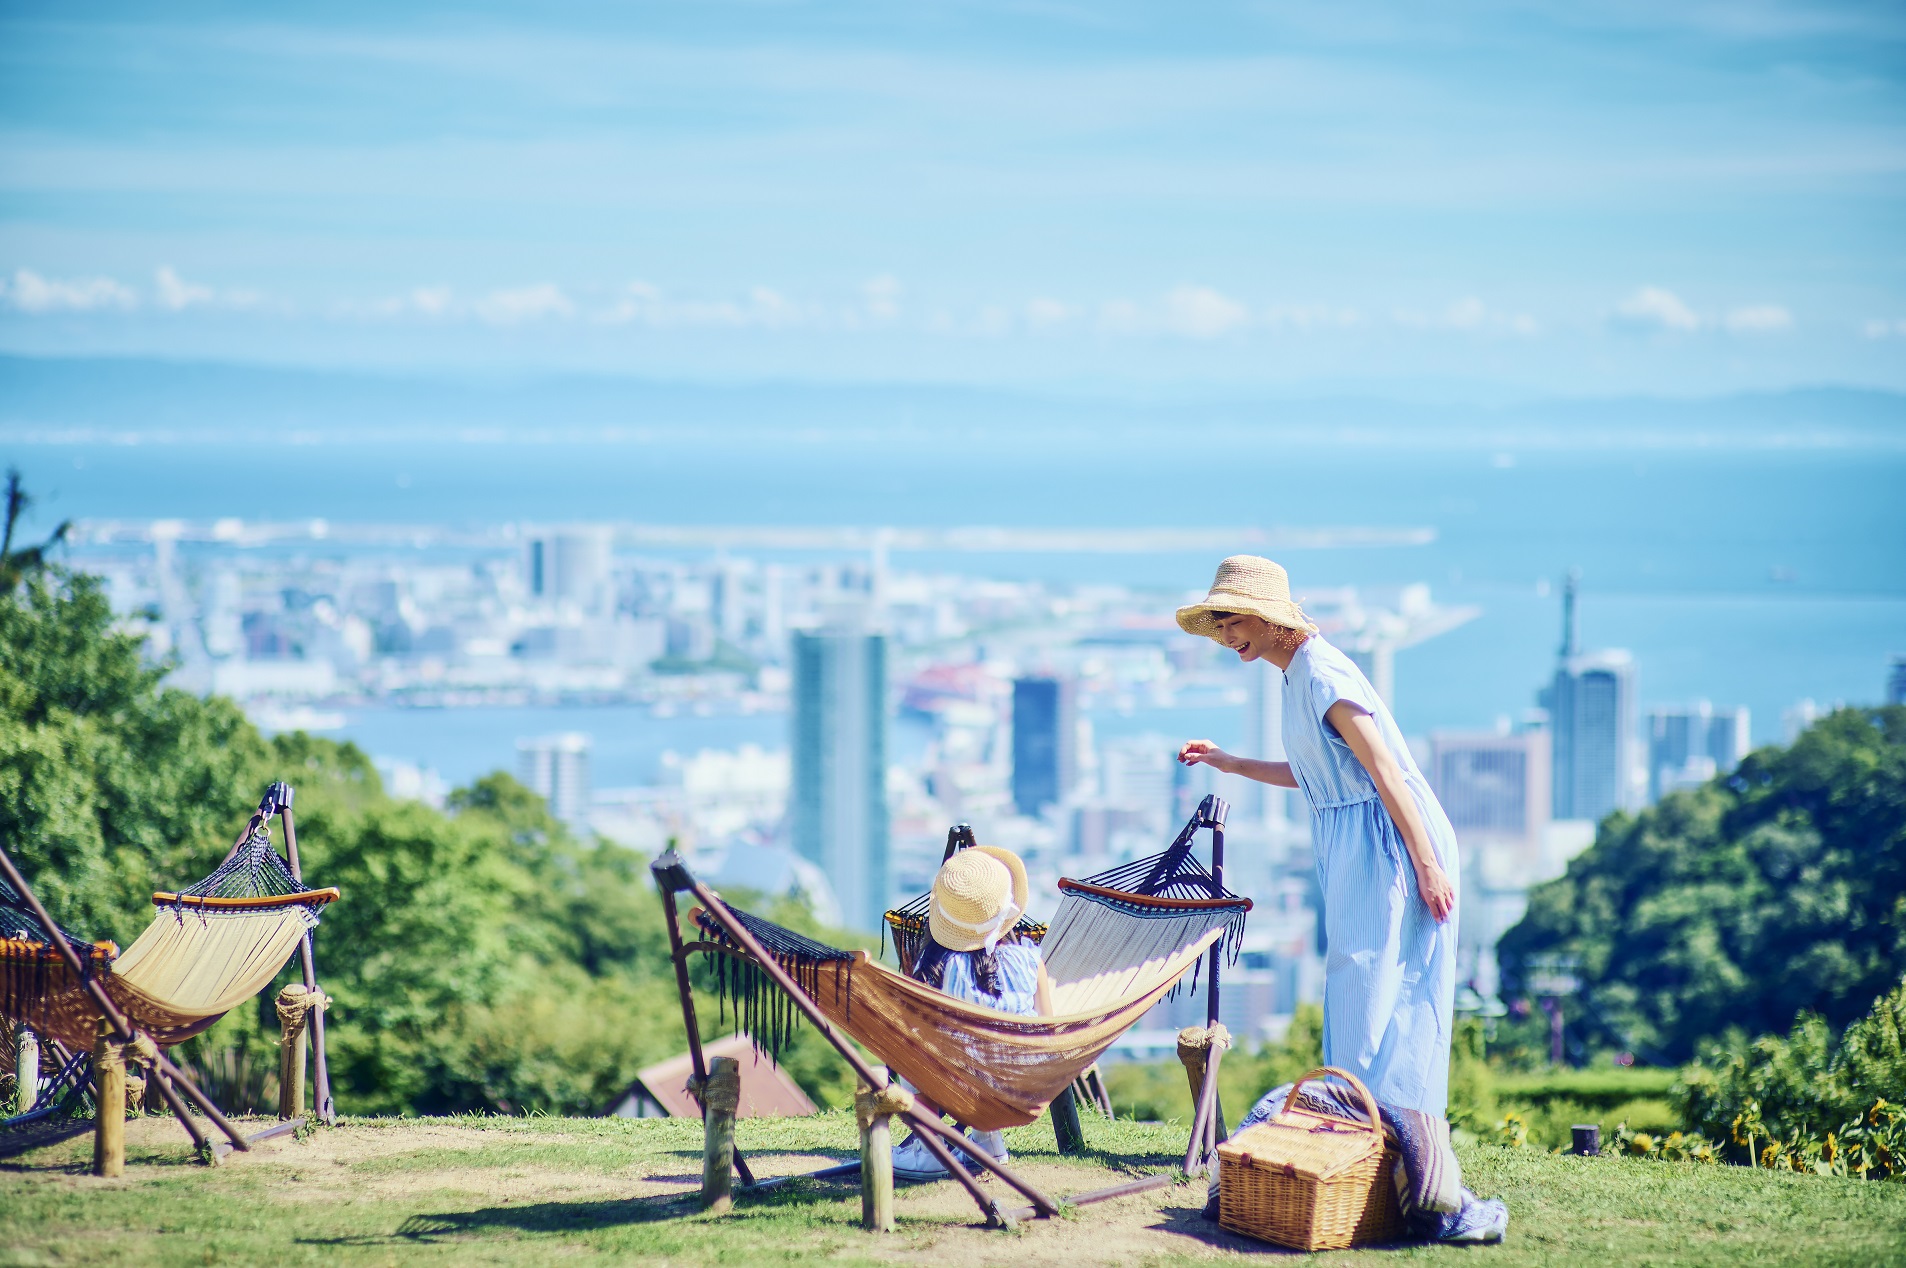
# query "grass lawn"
(529, 1191)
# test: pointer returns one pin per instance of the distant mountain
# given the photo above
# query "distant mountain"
(155, 401)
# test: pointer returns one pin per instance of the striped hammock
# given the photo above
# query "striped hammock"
(1111, 952)
(208, 949)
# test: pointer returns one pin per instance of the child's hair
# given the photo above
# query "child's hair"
(931, 967)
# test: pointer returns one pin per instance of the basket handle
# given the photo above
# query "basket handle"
(1323, 1072)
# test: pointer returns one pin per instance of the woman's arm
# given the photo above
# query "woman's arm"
(1043, 996)
(1359, 731)
(1275, 773)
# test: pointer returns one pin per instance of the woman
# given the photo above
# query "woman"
(1385, 851)
(970, 953)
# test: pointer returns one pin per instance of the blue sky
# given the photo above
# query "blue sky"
(1468, 198)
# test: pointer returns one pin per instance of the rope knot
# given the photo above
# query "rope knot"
(870, 1104)
(294, 1004)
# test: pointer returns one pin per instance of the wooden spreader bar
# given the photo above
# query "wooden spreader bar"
(309, 897)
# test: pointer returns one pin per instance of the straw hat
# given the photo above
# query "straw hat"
(1248, 584)
(978, 896)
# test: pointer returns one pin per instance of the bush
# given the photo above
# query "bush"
(1806, 1101)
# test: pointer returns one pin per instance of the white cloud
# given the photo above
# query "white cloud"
(1880, 328)
(1311, 317)
(524, 303)
(1469, 314)
(1043, 313)
(1758, 319)
(177, 294)
(646, 304)
(29, 292)
(1203, 313)
(1655, 308)
(882, 296)
(1121, 317)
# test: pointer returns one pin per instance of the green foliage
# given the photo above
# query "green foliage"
(1778, 889)
(1806, 1100)
(483, 959)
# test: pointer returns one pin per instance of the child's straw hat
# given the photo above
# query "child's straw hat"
(978, 896)
(1250, 584)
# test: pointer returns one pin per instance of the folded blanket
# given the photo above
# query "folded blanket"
(1429, 1184)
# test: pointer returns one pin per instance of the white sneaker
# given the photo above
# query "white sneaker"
(912, 1161)
(992, 1144)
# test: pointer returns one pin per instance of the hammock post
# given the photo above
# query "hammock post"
(876, 1161)
(1066, 1128)
(282, 795)
(720, 1098)
(294, 1005)
(698, 1068)
(1213, 810)
(109, 1114)
(26, 1069)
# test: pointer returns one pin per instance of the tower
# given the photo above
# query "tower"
(838, 813)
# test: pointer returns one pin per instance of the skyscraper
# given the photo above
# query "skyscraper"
(1591, 706)
(1691, 744)
(556, 768)
(571, 565)
(1264, 740)
(1896, 682)
(838, 814)
(1494, 787)
(1045, 740)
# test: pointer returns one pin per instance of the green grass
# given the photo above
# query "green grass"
(528, 1191)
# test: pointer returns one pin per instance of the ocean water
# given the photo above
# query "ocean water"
(1752, 576)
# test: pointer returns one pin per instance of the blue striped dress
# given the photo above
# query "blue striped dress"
(1390, 966)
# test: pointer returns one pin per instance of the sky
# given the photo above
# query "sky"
(1469, 199)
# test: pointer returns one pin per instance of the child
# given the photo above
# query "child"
(970, 953)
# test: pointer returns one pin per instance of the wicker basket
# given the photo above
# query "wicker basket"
(1311, 1181)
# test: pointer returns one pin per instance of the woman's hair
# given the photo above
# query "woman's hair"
(930, 968)
(1285, 635)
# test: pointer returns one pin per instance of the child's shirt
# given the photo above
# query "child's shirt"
(1018, 979)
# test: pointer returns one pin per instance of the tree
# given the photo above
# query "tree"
(1777, 889)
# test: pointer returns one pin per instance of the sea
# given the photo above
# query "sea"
(1755, 574)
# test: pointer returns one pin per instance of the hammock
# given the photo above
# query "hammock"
(207, 950)
(1112, 953)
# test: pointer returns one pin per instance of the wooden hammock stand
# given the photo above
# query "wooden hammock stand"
(879, 1099)
(122, 1042)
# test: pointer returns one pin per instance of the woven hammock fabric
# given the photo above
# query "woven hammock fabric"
(987, 1068)
(208, 949)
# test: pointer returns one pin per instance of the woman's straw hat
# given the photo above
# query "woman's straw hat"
(1250, 584)
(978, 896)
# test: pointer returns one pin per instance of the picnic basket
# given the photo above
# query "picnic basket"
(1311, 1180)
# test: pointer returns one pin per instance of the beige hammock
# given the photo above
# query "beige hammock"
(207, 950)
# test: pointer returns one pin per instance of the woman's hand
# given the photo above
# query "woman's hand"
(1435, 888)
(1197, 751)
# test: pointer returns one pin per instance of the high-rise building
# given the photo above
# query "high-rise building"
(1493, 786)
(570, 565)
(1264, 740)
(1896, 682)
(838, 813)
(556, 768)
(1045, 742)
(1691, 744)
(1591, 707)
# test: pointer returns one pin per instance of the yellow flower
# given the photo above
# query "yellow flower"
(1830, 1148)
(1769, 1157)
(1643, 1143)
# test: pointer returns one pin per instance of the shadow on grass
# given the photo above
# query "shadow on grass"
(23, 1140)
(574, 1217)
(1189, 1221)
